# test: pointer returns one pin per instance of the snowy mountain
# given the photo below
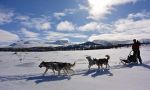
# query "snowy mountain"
(27, 44)
(62, 42)
(108, 43)
(145, 40)
(102, 42)
(35, 43)
(90, 43)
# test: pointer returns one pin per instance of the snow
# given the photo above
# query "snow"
(21, 72)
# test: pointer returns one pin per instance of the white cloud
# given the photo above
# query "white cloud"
(22, 18)
(6, 36)
(83, 7)
(46, 25)
(119, 36)
(29, 34)
(139, 15)
(65, 12)
(42, 23)
(127, 28)
(6, 16)
(94, 26)
(89, 26)
(98, 9)
(70, 10)
(59, 15)
(134, 23)
(58, 36)
(65, 26)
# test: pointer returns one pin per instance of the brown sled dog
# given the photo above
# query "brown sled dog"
(57, 66)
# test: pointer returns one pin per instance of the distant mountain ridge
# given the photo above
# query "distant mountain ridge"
(63, 45)
(105, 42)
(34, 43)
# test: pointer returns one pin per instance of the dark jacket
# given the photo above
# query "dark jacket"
(136, 46)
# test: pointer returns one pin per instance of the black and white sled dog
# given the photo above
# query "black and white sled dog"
(57, 66)
(99, 62)
(91, 61)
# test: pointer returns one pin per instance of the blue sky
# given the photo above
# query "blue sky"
(74, 20)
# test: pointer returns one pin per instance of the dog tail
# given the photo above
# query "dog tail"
(72, 65)
(108, 57)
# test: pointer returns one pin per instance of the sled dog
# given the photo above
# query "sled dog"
(57, 66)
(99, 62)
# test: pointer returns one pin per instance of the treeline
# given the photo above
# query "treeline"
(66, 48)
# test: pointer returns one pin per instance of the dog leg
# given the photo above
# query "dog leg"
(58, 72)
(65, 71)
(102, 67)
(89, 66)
(53, 71)
(68, 72)
(98, 67)
(108, 65)
(45, 71)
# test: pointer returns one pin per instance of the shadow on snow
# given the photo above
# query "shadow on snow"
(96, 72)
(38, 78)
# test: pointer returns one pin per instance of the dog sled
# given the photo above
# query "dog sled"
(131, 59)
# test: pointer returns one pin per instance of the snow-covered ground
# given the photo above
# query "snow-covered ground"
(21, 72)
